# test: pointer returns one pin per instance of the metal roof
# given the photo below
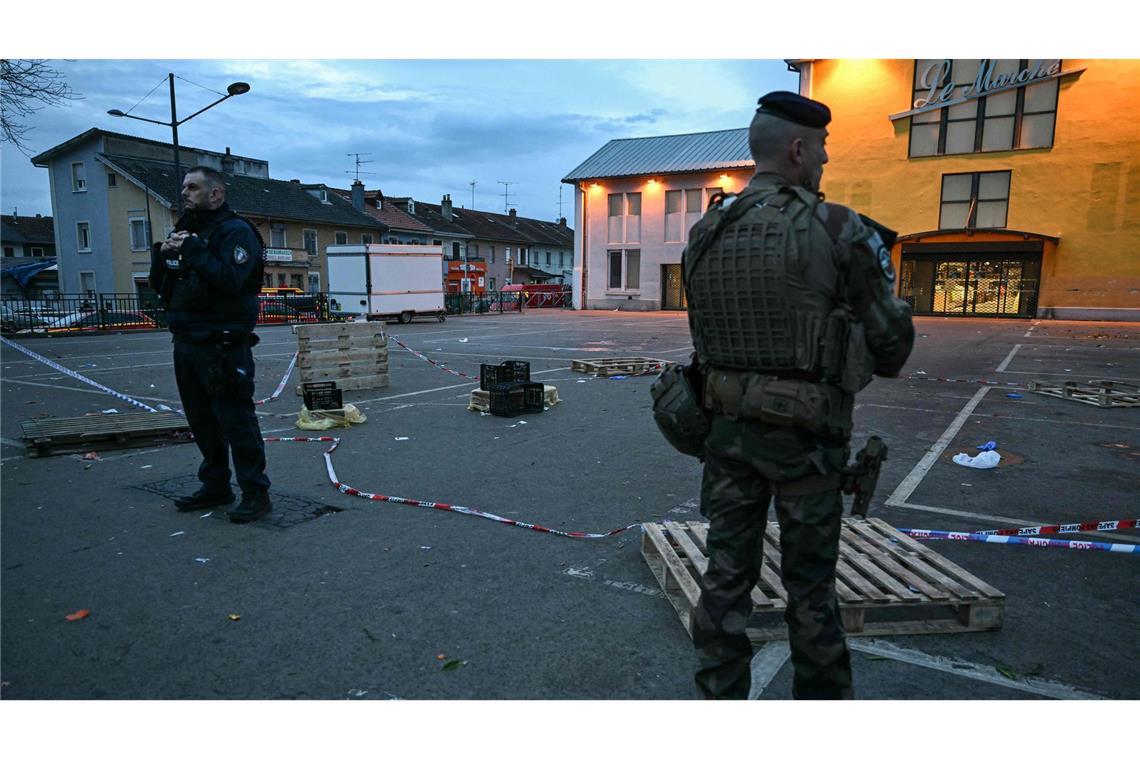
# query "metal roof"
(667, 154)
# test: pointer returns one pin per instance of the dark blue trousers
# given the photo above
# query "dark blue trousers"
(215, 383)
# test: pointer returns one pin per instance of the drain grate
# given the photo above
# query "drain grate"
(288, 511)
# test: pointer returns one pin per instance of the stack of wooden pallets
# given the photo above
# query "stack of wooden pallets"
(353, 354)
(1102, 393)
(619, 366)
(887, 582)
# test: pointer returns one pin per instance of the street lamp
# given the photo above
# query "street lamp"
(237, 88)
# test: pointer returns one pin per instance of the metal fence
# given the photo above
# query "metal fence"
(111, 312)
(482, 303)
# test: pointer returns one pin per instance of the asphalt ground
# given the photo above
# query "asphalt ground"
(373, 600)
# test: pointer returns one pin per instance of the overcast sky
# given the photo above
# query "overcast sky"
(429, 127)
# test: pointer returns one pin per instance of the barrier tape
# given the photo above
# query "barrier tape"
(1039, 530)
(1049, 542)
(349, 490)
(123, 396)
(76, 375)
(432, 361)
(979, 381)
(281, 385)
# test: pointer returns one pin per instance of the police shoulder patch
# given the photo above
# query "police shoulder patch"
(241, 255)
(885, 263)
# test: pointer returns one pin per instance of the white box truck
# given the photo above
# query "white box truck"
(386, 281)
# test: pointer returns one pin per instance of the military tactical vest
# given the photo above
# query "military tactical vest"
(750, 306)
(190, 291)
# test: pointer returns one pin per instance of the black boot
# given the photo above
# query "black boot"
(254, 506)
(203, 499)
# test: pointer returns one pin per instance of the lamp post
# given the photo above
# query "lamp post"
(237, 88)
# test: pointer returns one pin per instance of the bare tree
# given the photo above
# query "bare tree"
(28, 84)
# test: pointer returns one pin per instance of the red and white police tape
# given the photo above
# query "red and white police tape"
(429, 360)
(1040, 530)
(122, 396)
(346, 489)
(1049, 542)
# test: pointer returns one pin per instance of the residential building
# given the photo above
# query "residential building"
(29, 263)
(104, 228)
(635, 201)
(511, 246)
(403, 229)
(1014, 185)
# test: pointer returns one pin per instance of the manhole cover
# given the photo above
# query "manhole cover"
(288, 511)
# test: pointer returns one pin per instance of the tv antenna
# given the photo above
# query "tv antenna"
(559, 202)
(359, 163)
(506, 195)
(472, 183)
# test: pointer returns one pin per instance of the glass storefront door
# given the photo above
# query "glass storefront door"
(970, 285)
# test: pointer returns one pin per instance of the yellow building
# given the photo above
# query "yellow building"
(1014, 184)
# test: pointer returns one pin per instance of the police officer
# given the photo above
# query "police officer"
(209, 273)
(791, 310)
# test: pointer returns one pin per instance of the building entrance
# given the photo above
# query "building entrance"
(971, 284)
(672, 291)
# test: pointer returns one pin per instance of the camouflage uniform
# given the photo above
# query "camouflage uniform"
(748, 462)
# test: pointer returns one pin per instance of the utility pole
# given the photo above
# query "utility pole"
(472, 183)
(359, 163)
(506, 195)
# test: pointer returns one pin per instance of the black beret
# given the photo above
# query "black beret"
(795, 108)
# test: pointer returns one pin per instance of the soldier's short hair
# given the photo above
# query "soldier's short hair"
(214, 178)
(769, 135)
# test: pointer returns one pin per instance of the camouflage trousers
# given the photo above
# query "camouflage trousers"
(745, 463)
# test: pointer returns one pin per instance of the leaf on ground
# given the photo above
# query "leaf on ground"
(78, 615)
(454, 664)
(1007, 672)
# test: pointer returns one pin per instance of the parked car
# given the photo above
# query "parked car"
(271, 312)
(88, 321)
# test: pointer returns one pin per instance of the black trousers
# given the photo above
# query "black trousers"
(215, 383)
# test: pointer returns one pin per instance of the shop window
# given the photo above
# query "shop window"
(974, 201)
(1012, 119)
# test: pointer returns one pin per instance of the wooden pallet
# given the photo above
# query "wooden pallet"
(887, 583)
(354, 354)
(480, 400)
(1102, 393)
(619, 366)
(104, 432)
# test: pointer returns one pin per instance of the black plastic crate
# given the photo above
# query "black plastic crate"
(507, 372)
(509, 399)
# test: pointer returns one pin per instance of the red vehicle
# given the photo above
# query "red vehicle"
(272, 312)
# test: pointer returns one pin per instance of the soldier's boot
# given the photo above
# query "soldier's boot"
(254, 506)
(203, 499)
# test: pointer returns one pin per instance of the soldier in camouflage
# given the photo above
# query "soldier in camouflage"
(791, 309)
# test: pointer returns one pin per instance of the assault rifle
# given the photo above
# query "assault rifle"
(861, 477)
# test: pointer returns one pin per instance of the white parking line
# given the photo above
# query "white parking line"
(1005, 362)
(1040, 687)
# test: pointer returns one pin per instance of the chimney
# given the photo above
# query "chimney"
(514, 215)
(227, 162)
(358, 195)
(562, 221)
(445, 208)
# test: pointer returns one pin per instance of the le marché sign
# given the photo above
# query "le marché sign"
(939, 89)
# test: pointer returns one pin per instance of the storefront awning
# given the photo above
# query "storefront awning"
(975, 236)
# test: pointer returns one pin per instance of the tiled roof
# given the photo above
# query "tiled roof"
(487, 225)
(389, 214)
(27, 229)
(253, 196)
(95, 132)
(667, 154)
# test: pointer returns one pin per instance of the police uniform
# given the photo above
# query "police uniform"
(210, 289)
(791, 309)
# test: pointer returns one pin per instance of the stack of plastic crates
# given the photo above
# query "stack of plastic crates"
(507, 372)
(509, 399)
